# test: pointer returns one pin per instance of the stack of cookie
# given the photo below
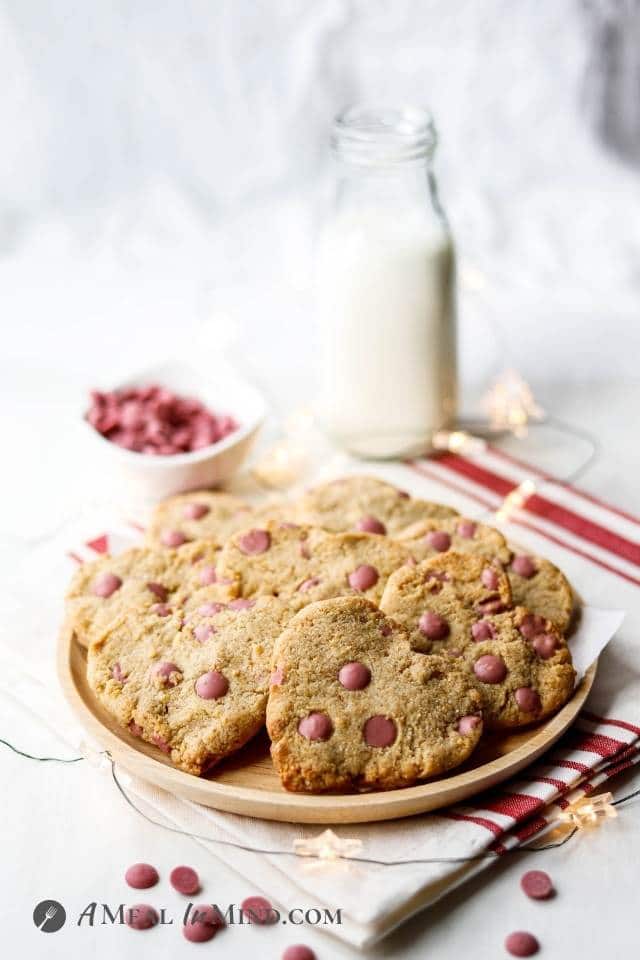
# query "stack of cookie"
(376, 635)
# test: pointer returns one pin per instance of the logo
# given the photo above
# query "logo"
(49, 916)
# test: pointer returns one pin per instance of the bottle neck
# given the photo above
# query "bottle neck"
(383, 140)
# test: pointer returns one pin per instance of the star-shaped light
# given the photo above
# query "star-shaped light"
(590, 811)
(327, 846)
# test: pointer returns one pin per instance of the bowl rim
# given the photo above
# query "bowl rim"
(160, 461)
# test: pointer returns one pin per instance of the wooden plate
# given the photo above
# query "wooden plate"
(247, 783)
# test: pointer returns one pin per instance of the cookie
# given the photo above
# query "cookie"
(303, 564)
(199, 515)
(440, 601)
(198, 695)
(522, 667)
(365, 504)
(140, 579)
(352, 706)
(537, 584)
(427, 538)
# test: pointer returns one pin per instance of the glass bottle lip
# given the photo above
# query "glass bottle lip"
(382, 134)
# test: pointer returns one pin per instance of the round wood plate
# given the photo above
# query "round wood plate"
(246, 783)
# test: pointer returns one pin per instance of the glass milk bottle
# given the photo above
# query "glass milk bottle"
(385, 289)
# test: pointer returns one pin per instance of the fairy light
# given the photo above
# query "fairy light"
(515, 501)
(510, 404)
(457, 441)
(327, 846)
(589, 811)
(285, 462)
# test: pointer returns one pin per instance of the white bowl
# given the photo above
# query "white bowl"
(140, 476)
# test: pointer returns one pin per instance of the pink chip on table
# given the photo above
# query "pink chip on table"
(140, 916)
(258, 910)
(154, 420)
(521, 944)
(184, 880)
(141, 876)
(537, 884)
(298, 951)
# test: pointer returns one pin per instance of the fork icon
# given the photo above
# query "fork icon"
(49, 915)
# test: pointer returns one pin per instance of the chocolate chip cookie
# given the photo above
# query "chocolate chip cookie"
(302, 564)
(364, 504)
(537, 584)
(199, 515)
(522, 666)
(198, 691)
(352, 706)
(138, 580)
(441, 601)
(427, 538)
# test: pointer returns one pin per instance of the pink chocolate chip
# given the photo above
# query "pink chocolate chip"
(203, 923)
(212, 685)
(369, 524)
(208, 575)
(528, 700)
(241, 604)
(545, 645)
(438, 540)
(316, 726)
(354, 676)
(532, 624)
(161, 609)
(173, 538)
(118, 674)
(379, 731)
(161, 743)
(466, 529)
(255, 541)
(482, 630)
(521, 944)
(298, 951)
(184, 880)
(523, 566)
(277, 677)
(490, 578)
(195, 511)
(468, 724)
(166, 670)
(141, 876)
(105, 584)
(140, 916)
(203, 631)
(135, 730)
(490, 669)
(211, 608)
(537, 884)
(158, 591)
(309, 584)
(363, 577)
(258, 910)
(433, 626)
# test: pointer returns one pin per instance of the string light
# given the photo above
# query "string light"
(510, 404)
(515, 500)
(328, 846)
(589, 811)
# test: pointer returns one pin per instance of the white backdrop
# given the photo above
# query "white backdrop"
(162, 164)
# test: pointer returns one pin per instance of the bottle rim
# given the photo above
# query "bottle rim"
(383, 134)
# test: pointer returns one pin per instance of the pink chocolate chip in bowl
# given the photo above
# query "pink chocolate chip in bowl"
(173, 538)
(254, 542)
(354, 676)
(466, 529)
(528, 700)
(141, 876)
(363, 577)
(438, 540)
(524, 566)
(545, 645)
(468, 724)
(433, 626)
(195, 511)
(212, 685)
(369, 524)
(490, 669)
(140, 916)
(490, 578)
(105, 585)
(167, 671)
(379, 731)
(315, 726)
